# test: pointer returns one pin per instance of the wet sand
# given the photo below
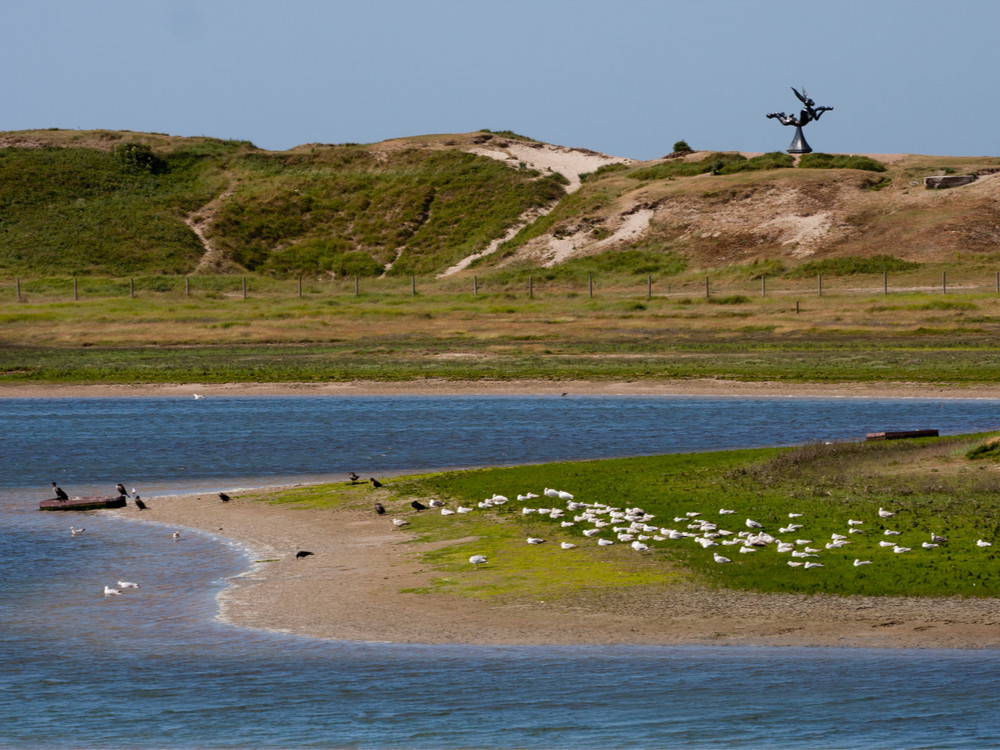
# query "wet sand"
(350, 589)
(694, 387)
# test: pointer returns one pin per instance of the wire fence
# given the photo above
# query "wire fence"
(57, 289)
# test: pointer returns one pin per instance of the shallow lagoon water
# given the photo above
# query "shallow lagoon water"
(153, 669)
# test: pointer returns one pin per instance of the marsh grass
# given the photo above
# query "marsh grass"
(929, 484)
(385, 332)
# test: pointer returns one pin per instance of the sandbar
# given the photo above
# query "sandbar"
(351, 589)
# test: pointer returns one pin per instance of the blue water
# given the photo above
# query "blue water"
(155, 670)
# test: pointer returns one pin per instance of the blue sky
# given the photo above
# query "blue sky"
(627, 77)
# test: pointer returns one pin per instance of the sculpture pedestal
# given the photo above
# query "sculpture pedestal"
(799, 145)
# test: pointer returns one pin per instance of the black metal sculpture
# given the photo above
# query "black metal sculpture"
(809, 113)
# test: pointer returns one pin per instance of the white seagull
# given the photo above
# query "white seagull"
(751, 524)
(399, 523)
(983, 543)
(858, 562)
(719, 558)
(108, 591)
(604, 542)
(478, 560)
(567, 545)
(73, 531)
(535, 540)
(127, 585)
(885, 513)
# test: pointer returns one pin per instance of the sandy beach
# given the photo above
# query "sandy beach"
(431, 387)
(350, 587)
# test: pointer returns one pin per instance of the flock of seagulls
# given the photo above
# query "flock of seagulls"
(607, 525)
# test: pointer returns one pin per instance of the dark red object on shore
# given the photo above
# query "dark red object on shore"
(900, 435)
(82, 503)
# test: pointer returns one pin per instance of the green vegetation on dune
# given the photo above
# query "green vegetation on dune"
(419, 211)
(929, 485)
(348, 210)
(91, 214)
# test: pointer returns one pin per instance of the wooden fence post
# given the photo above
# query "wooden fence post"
(75, 294)
(19, 287)
(649, 287)
(300, 287)
(819, 283)
(706, 287)
(944, 282)
(531, 287)
(763, 285)
(885, 282)
(187, 286)
(244, 287)
(131, 288)
(475, 286)
(413, 286)
(357, 287)
(590, 282)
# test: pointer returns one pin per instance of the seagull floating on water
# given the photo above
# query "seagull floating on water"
(73, 531)
(127, 585)
(109, 591)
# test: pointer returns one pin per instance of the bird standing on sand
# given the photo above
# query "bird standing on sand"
(60, 493)
(120, 489)
(375, 483)
(224, 497)
(380, 509)
(302, 553)
(139, 503)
